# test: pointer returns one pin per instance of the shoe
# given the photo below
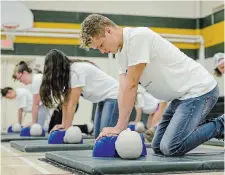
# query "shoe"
(220, 136)
(149, 134)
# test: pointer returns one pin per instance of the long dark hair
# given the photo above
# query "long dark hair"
(20, 68)
(56, 76)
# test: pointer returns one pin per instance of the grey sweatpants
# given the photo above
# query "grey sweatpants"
(42, 115)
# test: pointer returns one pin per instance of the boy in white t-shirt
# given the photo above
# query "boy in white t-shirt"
(23, 98)
(23, 73)
(167, 74)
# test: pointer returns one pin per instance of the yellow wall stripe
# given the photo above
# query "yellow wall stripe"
(187, 45)
(56, 25)
(47, 40)
(77, 26)
(72, 41)
(212, 35)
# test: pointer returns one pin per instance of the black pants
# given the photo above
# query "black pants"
(56, 118)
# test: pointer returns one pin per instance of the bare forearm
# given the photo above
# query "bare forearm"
(138, 115)
(64, 114)
(70, 110)
(162, 107)
(69, 106)
(120, 97)
(158, 114)
(20, 114)
(35, 113)
(126, 106)
(129, 86)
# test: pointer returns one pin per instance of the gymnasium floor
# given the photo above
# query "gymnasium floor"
(14, 162)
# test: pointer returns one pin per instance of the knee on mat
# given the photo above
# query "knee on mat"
(157, 151)
(170, 150)
(155, 147)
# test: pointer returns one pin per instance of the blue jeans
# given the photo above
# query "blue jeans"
(181, 128)
(106, 115)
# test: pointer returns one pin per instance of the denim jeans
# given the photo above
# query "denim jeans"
(181, 128)
(106, 115)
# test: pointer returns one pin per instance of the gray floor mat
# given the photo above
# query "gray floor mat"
(11, 133)
(10, 137)
(88, 137)
(197, 160)
(43, 146)
(14, 136)
(215, 142)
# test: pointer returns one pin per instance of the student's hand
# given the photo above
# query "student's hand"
(28, 124)
(16, 123)
(109, 131)
(57, 127)
(133, 122)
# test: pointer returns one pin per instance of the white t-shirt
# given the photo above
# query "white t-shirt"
(36, 83)
(35, 89)
(96, 85)
(146, 102)
(24, 99)
(169, 73)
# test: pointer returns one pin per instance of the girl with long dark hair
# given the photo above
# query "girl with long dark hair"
(65, 80)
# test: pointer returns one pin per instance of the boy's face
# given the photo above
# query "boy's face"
(11, 94)
(107, 43)
(22, 77)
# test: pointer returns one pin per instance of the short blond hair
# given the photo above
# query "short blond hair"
(93, 26)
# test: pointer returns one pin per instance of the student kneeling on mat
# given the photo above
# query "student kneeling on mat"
(167, 74)
(23, 98)
(64, 80)
(23, 73)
